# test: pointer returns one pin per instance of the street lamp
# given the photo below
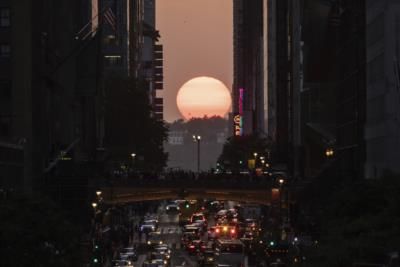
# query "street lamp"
(98, 193)
(255, 154)
(197, 139)
(94, 205)
(329, 152)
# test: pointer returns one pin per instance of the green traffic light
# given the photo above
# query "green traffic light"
(272, 243)
(187, 206)
(95, 260)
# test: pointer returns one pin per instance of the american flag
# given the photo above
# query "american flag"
(110, 18)
(92, 26)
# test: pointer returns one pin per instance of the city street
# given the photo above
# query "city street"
(231, 222)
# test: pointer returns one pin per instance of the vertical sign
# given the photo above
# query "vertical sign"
(238, 117)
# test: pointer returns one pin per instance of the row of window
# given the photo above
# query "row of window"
(5, 50)
(5, 17)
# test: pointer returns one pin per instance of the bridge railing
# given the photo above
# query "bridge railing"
(191, 180)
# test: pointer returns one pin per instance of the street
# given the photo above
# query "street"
(197, 231)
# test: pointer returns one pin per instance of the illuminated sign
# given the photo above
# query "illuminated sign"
(238, 118)
(238, 125)
(241, 92)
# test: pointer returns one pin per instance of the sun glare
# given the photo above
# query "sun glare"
(203, 96)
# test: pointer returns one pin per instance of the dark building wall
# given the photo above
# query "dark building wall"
(333, 99)
(351, 86)
(382, 129)
(248, 63)
(49, 111)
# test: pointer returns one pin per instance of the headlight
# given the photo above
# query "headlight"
(167, 208)
(152, 227)
(149, 242)
(165, 262)
(168, 256)
(161, 242)
(178, 208)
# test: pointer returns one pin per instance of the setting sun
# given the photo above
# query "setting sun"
(203, 96)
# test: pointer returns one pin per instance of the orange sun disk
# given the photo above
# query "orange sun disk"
(203, 96)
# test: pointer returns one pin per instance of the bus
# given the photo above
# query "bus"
(230, 252)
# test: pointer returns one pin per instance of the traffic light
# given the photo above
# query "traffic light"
(272, 243)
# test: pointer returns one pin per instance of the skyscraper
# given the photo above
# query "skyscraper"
(48, 91)
(382, 128)
(248, 102)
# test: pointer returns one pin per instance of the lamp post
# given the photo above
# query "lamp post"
(281, 181)
(197, 139)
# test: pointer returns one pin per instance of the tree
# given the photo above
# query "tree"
(131, 126)
(239, 149)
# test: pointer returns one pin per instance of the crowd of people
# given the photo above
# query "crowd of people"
(189, 179)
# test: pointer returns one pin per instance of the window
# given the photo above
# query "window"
(5, 89)
(113, 60)
(5, 19)
(5, 50)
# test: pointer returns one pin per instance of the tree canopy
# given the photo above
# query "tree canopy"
(239, 149)
(131, 124)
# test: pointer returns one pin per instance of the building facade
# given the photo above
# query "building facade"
(48, 92)
(382, 128)
(248, 83)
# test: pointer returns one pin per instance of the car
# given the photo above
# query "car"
(201, 224)
(206, 258)
(172, 208)
(198, 217)
(192, 247)
(221, 214)
(152, 221)
(162, 249)
(200, 245)
(162, 258)
(154, 239)
(122, 263)
(128, 254)
(196, 246)
(147, 228)
(225, 231)
(211, 234)
(153, 263)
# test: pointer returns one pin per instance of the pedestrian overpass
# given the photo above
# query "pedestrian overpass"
(258, 190)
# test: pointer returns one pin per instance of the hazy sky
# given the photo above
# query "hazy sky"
(198, 41)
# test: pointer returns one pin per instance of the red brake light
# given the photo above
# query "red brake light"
(217, 230)
(233, 231)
